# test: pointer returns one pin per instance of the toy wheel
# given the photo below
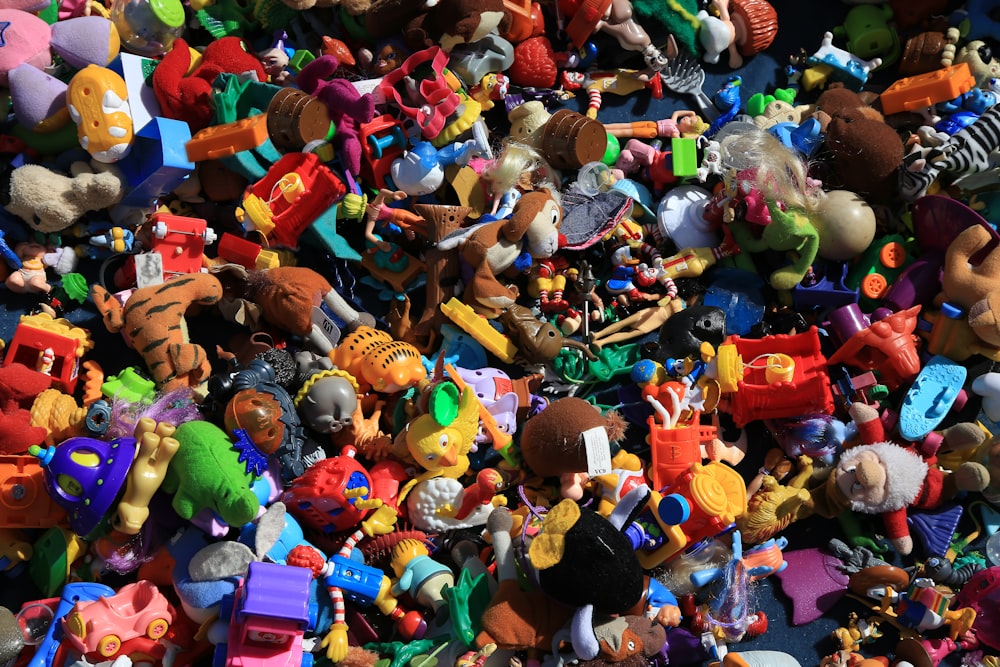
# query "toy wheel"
(109, 645)
(160, 230)
(307, 660)
(209, 236)
(157, 628)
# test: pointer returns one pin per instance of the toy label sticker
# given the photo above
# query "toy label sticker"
(326, 325)
(148, 269)
(595, 440)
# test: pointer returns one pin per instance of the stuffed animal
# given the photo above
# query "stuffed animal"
(865, 152)
(347, 107)
(976, 288)
(152, 322)
(492, 248)
(50, 202)
(436, 22)
(554, 442)
(881, 477)
(206, 473)
(538, 619)
(19, 385)
(188, 96)
(285, 298)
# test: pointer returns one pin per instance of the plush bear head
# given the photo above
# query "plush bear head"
(51, 202)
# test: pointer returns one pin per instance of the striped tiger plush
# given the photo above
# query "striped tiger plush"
(968, 151)
(152, 322)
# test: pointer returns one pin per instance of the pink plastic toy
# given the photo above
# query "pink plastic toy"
(103, 626)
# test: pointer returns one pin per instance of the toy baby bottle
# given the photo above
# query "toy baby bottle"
(148, 27)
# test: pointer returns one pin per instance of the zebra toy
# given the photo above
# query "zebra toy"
(971, 150)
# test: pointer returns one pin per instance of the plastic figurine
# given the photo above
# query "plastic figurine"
(423, 578)
(275, 60)
(613, 17)
(34, 258)
(364, 585)
(420, 170)
(744, 28)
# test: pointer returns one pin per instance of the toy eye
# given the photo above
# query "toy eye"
(431, 457)
(631, 646)
(985, 53)
(555, 217)
(443, 441)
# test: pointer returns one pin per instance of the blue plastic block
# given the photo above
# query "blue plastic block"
(158, 162)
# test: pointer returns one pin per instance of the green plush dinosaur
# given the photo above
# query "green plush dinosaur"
(206, 472)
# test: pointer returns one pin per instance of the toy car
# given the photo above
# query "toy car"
(270, 613)
(101, 627)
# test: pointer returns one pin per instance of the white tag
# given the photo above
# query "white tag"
(330, 330)
(598, 448)
(370, 86)
(148, 269)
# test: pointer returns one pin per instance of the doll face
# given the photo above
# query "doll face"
(386, 60)
(863, 478)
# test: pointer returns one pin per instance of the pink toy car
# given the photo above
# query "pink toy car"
(101, 627)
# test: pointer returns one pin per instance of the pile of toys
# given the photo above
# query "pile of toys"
(392, 332)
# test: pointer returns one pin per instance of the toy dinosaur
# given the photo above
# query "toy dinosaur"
(206, 473)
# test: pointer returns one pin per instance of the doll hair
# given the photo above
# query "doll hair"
(174, 407)
(515, 160)
(780, 174)
(819, 436)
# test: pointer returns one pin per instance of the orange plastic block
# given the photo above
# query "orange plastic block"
(219, 141)
(924, 90)
(523, 20)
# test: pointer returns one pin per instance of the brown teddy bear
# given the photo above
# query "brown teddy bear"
(976, 288)
(865, 153)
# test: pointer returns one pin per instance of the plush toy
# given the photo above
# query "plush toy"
(347, 107)
(50, 202)
(19, 385)
(976, 288)
(519, 620)
(865, 153)
(492, 248)
(152, 322)
(188, 96)
(285, 298)
(554, 442)
(880, 477)
(25, 39)
(427, 23)
(206, 473)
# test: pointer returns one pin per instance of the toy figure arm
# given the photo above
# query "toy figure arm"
(335, 642)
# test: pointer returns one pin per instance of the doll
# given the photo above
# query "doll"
(881, 477)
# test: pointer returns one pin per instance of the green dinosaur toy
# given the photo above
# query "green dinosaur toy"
(206, 472)
(789, 231)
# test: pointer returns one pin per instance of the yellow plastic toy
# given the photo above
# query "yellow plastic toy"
(156, 448)
(97, 103)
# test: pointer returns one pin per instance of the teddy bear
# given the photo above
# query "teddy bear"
(50, 202)
(976, 288)
(865, 153)
(884, 478)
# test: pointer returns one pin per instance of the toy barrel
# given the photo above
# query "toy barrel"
(571, 140)
(780, 368)
(294, 119)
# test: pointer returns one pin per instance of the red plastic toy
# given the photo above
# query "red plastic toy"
(781, 376)
(887, 346)
(51, 347)
(297, 189)
(181, 242)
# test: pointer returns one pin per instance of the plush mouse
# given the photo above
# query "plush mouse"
(881, 477)
(50, 202)
(976, 288)
(554, 441)
(188, 97)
